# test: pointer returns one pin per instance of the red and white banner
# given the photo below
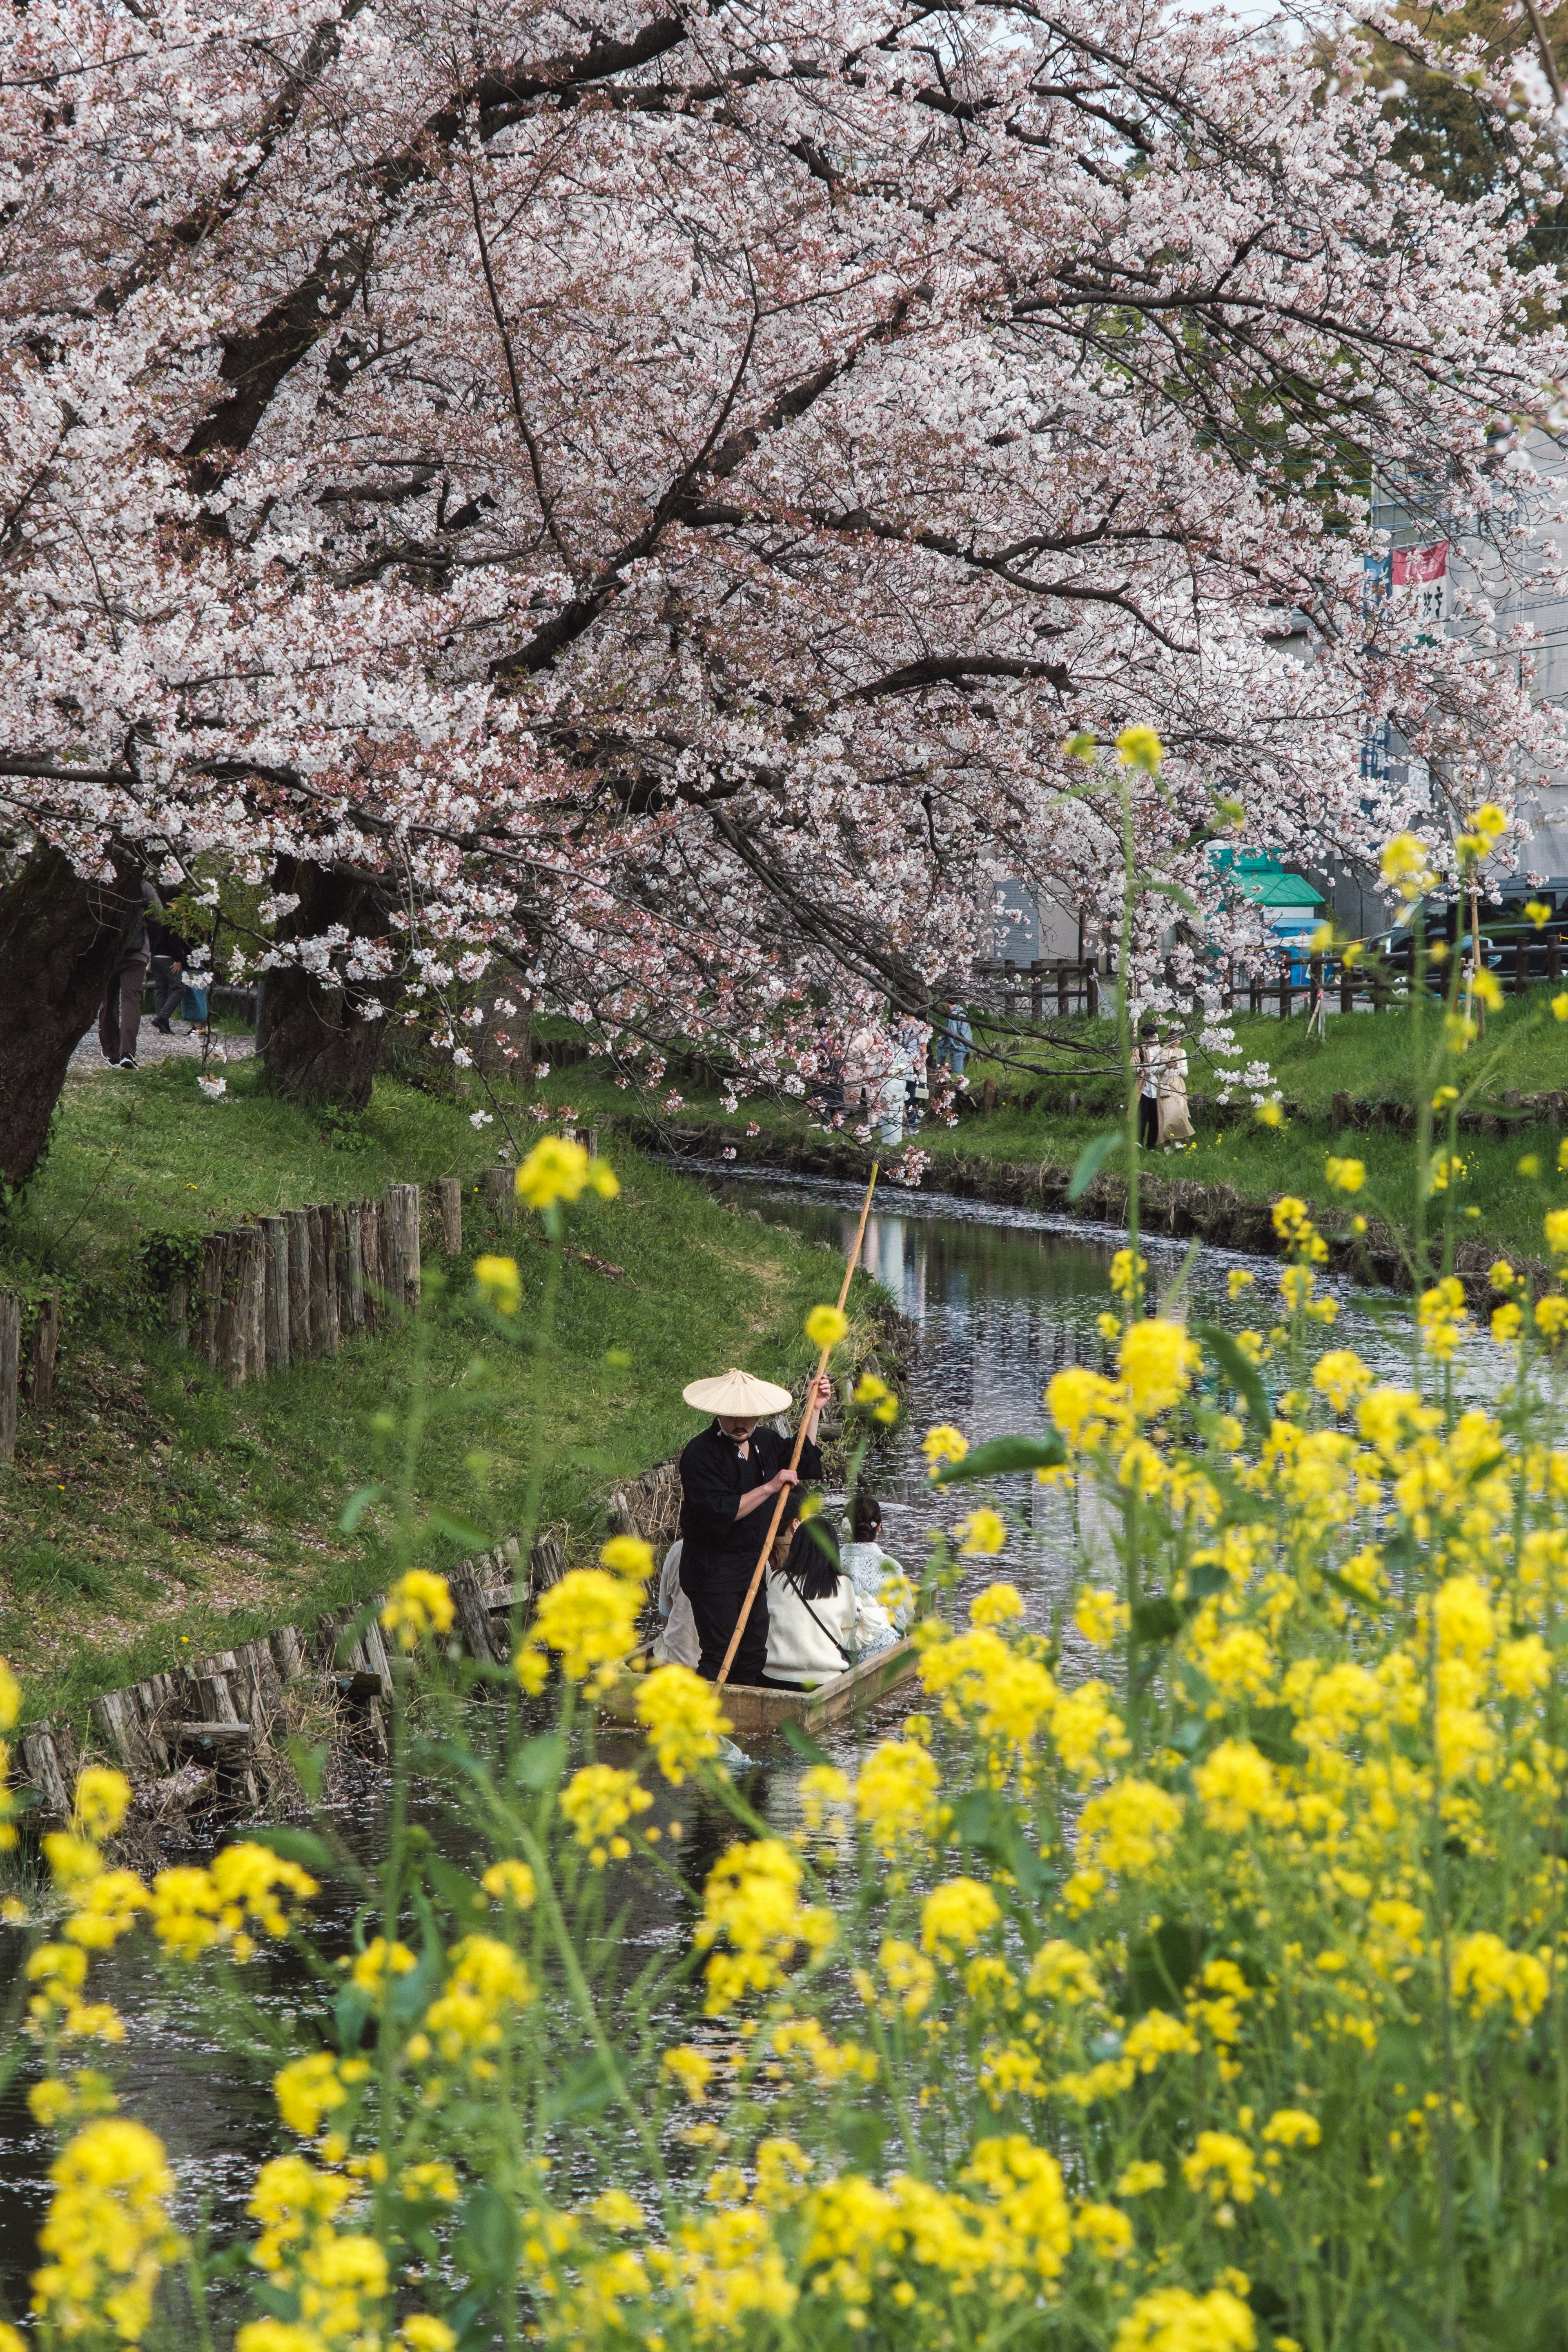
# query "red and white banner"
(1421, 573)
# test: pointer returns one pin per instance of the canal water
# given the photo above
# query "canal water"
(1002, 1299)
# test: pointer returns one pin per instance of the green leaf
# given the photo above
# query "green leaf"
(350, 2015)
(294, 1845)
(1160, 1969)
(1158, 1620)
(586, 2090)
(538, 1763)
(1241, 1374)
(358, 1504)
(1091, 1160)
(461, 1531)
(491, 2241)
(1183, 898)
(1002, 1455)
(982, 1818)
(801, 1740)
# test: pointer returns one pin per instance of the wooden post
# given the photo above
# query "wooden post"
(1254, 992)
(1009, 1000)
(10, 1372)
(339, 1220)
(1522, 966)
(254, 1301)
(1285, 993)
(1093, 990)
(177, 1311)
(274, 1289)
(1064, 972)
(1347, 987)
(228, 1336)
(209, 1296)
(416, 1272)
(393, 1248)
(501, 1194)
(1037, 989)
(450, 1208)
(45, 1350)
(352, 1301)
(323, 1281)
(1553, 957)
(370, 1247)
(302, 1338)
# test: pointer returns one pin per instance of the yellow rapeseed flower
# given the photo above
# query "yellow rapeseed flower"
(984, 1531)
(1139, 746)
(628, 1556)
(1156, 1361)
(420, 1602)
(1345, 1175)
(558, 1168)
(956, 1915)
(498, 1283)
(943, 1444)
(683, 1718)
(826, 1325)
(591, 1617)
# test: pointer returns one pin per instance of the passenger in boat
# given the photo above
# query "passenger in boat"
(729, 1477)
(818, 1625)
(677, 1643)
(868, 1564)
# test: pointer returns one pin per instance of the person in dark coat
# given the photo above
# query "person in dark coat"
(119, 1014)
(728, 1478)
(170, 955)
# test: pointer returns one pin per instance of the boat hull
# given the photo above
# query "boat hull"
(753, 1713)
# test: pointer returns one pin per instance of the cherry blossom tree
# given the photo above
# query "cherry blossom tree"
(619, 511)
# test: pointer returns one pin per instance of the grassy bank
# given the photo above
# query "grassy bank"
(152, 1512)
(1370, 1057)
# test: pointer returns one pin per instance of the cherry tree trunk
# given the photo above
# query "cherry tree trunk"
(316, 1043)
(60, 938)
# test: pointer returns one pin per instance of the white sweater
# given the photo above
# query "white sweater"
(870, 1567)
(811, 1642)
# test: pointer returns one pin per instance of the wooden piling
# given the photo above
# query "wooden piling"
(44, 1352)
(370, 1248)
(449, 1207)
(353, 1300)
(275, 1293)
(501, 1194)
(394, 1250)
(301, 1337)
(10, 1373)
(240, 1304)
(252, 1302)
(209, 1296)
(324, 1282)
(118, 1719)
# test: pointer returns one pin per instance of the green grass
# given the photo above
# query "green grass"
(151, 1513)
(135, 1154)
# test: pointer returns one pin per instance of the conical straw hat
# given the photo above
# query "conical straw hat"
(737, 1395)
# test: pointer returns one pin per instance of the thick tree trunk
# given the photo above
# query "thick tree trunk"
(315, 1042)
(60, 938)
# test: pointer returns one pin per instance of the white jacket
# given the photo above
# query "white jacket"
(870, 1567)
(811, 1642)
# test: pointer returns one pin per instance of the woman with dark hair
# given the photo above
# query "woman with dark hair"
(818, 1625)
(869, 1566)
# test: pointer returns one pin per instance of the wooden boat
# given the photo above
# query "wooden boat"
(753, 1713)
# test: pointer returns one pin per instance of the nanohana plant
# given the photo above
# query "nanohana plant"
(1195, 1981)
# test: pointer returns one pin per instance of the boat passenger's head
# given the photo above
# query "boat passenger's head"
(865, 1517)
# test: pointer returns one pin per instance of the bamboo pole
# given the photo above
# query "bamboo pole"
(780, 1499)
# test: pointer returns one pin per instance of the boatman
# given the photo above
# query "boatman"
(729, 1477)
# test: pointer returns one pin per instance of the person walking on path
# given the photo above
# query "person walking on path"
(1175, 1123)
(170, 955)
(1147, 1065)
(957, 1040)
(729, 1476)
(119, 1014)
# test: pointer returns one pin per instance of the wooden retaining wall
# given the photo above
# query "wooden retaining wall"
(198, 1736)
(272, 1291)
